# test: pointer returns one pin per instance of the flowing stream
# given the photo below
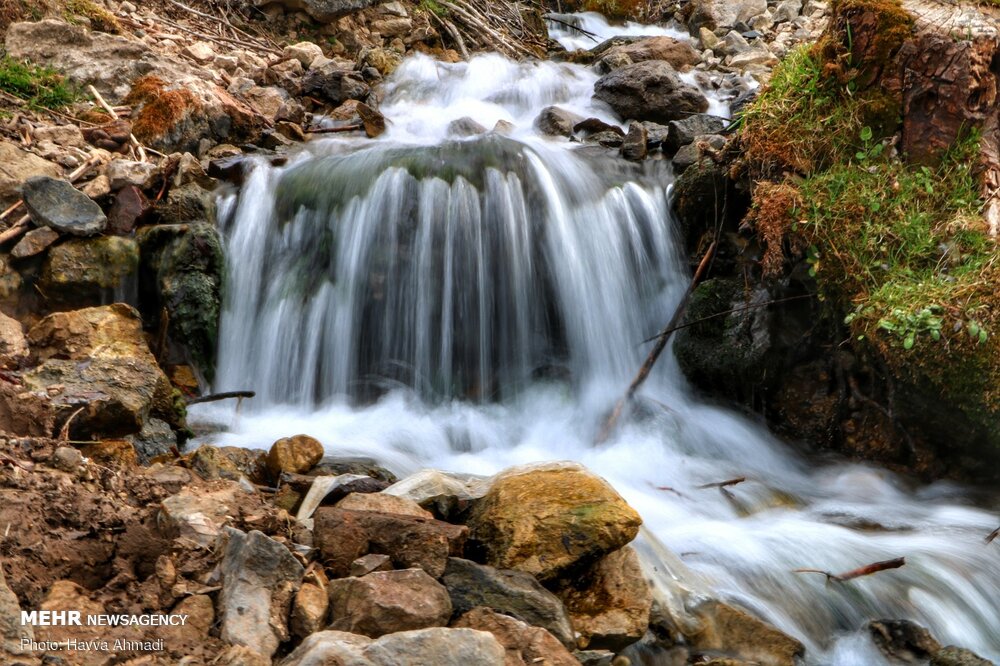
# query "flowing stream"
(474, 303)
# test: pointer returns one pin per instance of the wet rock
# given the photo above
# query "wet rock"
(549, 518)
(343, 536)
(956, 656)
(370, 563)
(123, 173)
(13, 343)
(296, 455)
(304, 52)
(684, 131)
(649, 90)
(592, 126)
(34, 242)
(90, 271)
(17, 166)
(11, 629)
(524, 644)
(686, 158)
(464, 127)
(679, 54)
(602, 658)
(57, 204)
(130, 206)
(555, 121)
(634, 146)
(259, 580)
(386, 61)
(309, 610)
(199, 515)
(903, 640)
(155, 439)
(716, 14)
(385, 602)
(382, 503)
(609, 604)
(609, 139)
(373, 121)
(437, 646)
(736, 632)
(509, 592)
(334, 85)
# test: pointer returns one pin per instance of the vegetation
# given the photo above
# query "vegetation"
(100, 18)
(40, 87)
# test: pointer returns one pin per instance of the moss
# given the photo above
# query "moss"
(162, 109)
(100, 18)
(40, 87)
(862, 39)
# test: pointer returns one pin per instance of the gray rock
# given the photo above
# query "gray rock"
(787, 10)
(685, 158)
(634, 146)
(715, 14)
(128, 172)
(56, 203)
(555, 121)
(438, 646)
(386, 602)
(506, 591)
(259, 580)
(464, 127)
(682, 132)
(649, 90)
(34, 242)
(156, 438)
(607, 139)
(335, 465)
(734, 43)
(334, 84)
(956, 656)
(324, 11)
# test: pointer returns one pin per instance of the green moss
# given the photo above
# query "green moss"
(40, 87)
(100, 18)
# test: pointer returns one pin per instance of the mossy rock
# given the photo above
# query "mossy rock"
(90, 271)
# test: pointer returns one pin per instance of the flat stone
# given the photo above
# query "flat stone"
(383, 503)
(385, 602)
(56, 203)
(17, 166)
(370, 563)
(34, 242)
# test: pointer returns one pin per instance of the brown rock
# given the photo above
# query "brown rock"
(546, 519)
(371, 563)
(739, 634)
(34, 242)
(680, 54)
(13, 344)
(373, 121)
(309, 610)
(343, 536)
(296, 455)
(382, 503)
(129, 207)
(17, 166)
(610, 603)
(200, 612)
(524, 645)
(386, 602)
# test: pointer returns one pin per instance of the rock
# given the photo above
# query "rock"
(708, 38)
(609, 604)
(199, 515)
(956, 656)
(34, 242)
(228, 462)
(437, 646)
(13, 344)
(464, 127)
(10, 281)
(259, 580)
(89, 271)
(504, 127)
(716, 14)
(724, 627)
(902, 640)
(787, 10)
(285, 73)
(385, 602)
(304, 52)
(240, 655)
(309, 610)
(272, 102)
(123, 173)
(296, 455)
(386, 61)
(509, 592)
(334, 84)
(634, 145)
(56, 203)
(200, 52)
(326, 490)
(12, 632)
(373, 121)
(679, 54)
(343, 536)
(684, 131)
(556, 122)
(444, 494)
(369, 563)
(649, 90)
(734, 43)
(61, 135)
(606, 658)
(325, 11)
(183, 265)
(155, 439)
(546, 519)
(755, 57)
(336, 465)
(525, 645)
(66, 458)
(200, 612)
(382, 503)
(130, 206)
(97, 188)
(686, 157)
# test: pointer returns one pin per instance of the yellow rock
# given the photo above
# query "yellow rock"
(296, 455)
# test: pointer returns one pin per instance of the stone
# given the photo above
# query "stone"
(741, 635)
(684, 131)
(393, 27)
(123, 173)
(370, 563)
(509, 592)
(11, 629)
(717, 14)
(596, 125)
(240, 655)
(734, 43)
(609, 604)
(55, 203)
(385, 602)
(97, 188)
(464, 127)
(334, 84)
(956, 656)
(708, 39)
(445, 494)
(634, 146)
(89, 271)
(343, 536)
(649, 90)
(325, 11)
(13, 343)
(555, 121)
(755, 57)
(227, 462)
(198, 516)
(259, 579)
(545, 519)
(382, 503)
(10, 282)
(155, 439)
(268, 101)
(309, 610)
(525, 645)
(304, 52)
(327, 490)
(336, 465)
(386, 61)
(66, 458)
(686, 157)
(62, 135)
(130, 206)
(608, 139)
(679, 54)
(296, 455)
(902, 640)
(787, 10)
(438, 646)
(34, 242)
(373, 120)
(285, 73)
(200, 52)
(200, 612)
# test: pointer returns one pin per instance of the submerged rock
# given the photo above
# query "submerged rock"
(649, 90)
(385, 602)
(55, 203)
(555, 121)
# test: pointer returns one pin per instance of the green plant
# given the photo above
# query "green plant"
(40, 87)
(433, 7)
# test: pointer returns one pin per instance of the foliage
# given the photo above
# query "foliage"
(433, 7)
(41, 87)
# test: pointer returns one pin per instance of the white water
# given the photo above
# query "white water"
(601, 30)
(458, 295)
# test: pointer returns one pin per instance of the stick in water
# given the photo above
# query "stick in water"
(867, 570)
(661, 344)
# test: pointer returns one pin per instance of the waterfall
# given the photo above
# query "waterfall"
(470, 304)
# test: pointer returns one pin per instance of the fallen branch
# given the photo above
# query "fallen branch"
(867, 570)
(724, 484)
(586, 33)
(661, 344)
(743, 308)
(15, 230)
(334, 130)
(993, 535)
(215, 397)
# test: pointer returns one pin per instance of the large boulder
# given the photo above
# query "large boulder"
(610, 603)
(90, 271)
(437, 646)
(679, 54)
(385, 602)
(718, 15)
(506, 591)
(95, 366)
(650, 90)
(548, 519)
(17, 166)
(343, 536)
(525, 645)
(259, 579)
(55, 203)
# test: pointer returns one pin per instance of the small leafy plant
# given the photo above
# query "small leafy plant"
(40, 87)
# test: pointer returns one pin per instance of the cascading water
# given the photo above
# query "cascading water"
(474, 304)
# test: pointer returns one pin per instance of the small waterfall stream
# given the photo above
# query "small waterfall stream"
(471, 304)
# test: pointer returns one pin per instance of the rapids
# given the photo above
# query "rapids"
(471, 304)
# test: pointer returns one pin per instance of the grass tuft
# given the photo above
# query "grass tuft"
(40, 87)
